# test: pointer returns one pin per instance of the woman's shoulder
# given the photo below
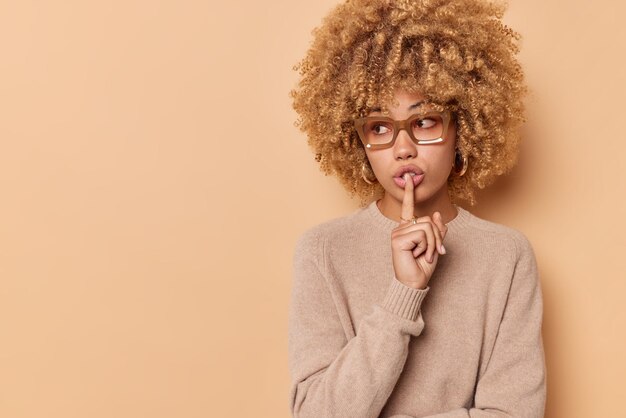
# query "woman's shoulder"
(337, 228)
(499, 234)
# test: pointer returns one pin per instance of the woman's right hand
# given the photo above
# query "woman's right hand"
(415, 248)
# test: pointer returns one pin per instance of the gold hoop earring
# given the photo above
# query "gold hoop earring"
(364, 175)
(458, 156)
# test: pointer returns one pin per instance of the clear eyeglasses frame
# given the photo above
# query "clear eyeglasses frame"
(423, 138)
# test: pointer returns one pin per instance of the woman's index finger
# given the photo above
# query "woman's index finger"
(408, 202)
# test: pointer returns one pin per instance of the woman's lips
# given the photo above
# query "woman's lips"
(416, 180)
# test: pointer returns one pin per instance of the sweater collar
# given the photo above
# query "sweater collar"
(460, 221)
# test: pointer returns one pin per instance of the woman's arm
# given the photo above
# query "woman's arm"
(514, 383)
(334, 377)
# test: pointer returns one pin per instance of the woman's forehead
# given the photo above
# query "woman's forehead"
(402, 100)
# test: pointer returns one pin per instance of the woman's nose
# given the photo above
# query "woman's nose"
(404, 146)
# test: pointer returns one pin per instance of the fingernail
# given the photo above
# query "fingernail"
(442, 249)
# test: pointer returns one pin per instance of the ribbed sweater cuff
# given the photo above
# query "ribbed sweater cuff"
(403, 300)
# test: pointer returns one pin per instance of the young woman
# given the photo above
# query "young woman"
(412, 306)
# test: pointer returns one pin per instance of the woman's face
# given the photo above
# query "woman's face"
(435, 160)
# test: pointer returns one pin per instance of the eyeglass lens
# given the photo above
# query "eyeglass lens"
(381, 130)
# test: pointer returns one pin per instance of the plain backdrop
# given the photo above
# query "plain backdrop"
(153, 185)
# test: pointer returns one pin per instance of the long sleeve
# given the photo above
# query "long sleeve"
(514, 382)
(332, 376)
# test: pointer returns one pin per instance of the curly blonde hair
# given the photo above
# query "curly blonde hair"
(456, 53)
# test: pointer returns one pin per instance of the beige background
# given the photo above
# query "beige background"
(153, 185)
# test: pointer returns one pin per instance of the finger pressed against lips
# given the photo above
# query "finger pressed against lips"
(408, 204)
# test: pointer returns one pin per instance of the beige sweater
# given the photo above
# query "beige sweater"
(364, 345)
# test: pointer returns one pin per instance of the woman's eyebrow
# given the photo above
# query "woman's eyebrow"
(413, 106)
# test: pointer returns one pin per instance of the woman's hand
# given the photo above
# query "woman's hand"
(415, 248)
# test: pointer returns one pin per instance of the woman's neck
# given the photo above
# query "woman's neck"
(392, 208)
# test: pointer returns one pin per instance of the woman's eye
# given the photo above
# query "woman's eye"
(425, 123)
(379, 129)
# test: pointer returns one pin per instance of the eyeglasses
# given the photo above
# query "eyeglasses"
(378, 132)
